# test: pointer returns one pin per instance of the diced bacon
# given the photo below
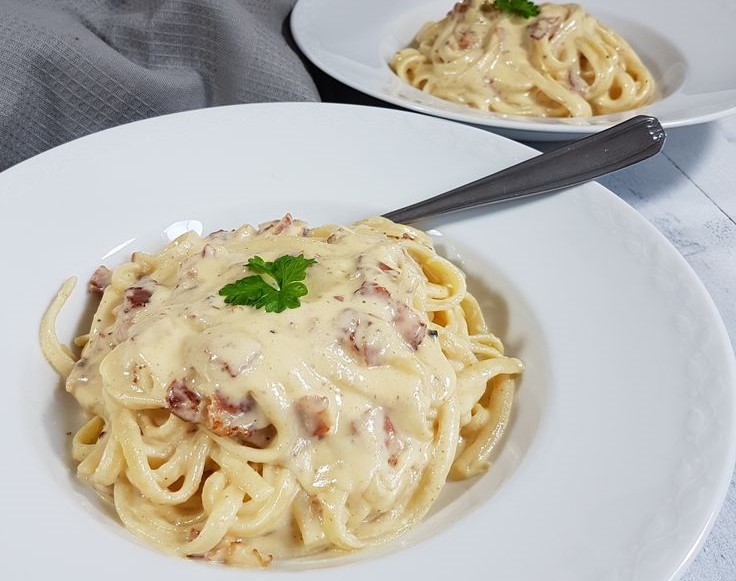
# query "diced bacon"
(136, 297)
(276, 226)
(260, 438)
(501, 34)
(376, 425)
(458, 8)
(369, 288)
(357, 337)
(218, 235)
(183, 402)
(392, 443)
(227, 368)
(388, 430)
(240, 420)
(577, 84)
(121, 331)
(335, 236)
(467, 39)
(243, 405)
(407, 323)
(313, 413)
(238, 359)
(369, 268)
(544, 27)
(229, 418)
(100, 280)
(411, 328)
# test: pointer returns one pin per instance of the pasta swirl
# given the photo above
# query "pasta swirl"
(561, 63)
(232, 434)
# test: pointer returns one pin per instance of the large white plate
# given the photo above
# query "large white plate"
(687, 47)
(623, 439)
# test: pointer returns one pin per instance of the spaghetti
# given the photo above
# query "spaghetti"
(560, 63)
(238, 435)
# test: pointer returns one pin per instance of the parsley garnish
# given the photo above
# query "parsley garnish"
(523, 8)
(286, 272)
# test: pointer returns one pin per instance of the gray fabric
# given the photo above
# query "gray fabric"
(73, 67)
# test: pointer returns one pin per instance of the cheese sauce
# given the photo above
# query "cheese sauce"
(239, 435)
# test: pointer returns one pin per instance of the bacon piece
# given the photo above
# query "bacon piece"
(458, 8)
(313, 412)
(218, 235)
(376, 425)
(229, 418)
(544, 27)
(369, 288)
(335, 236)
(467, 39)
(411, 328)
(368, 268)
(407, 323)
(240, 420)
(576, 82)
(260, 438)
(392, 443)
(135, 297)
(227, 368)
(99, 280)
(231, 367)
(276, 226)
(357, 337)
(183, 402)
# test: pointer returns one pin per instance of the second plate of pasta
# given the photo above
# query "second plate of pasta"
(529, 71)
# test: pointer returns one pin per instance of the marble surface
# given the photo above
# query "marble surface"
(688, 192)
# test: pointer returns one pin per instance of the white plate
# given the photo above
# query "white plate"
(624, 435)
(688, 48)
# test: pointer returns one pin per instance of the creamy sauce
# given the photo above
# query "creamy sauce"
(352, 370)
(560, 63)
(233, 434)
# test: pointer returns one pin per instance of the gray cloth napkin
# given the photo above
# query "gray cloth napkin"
(72, 67)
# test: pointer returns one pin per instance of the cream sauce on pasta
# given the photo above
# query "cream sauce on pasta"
(560, 63)
(240, 435)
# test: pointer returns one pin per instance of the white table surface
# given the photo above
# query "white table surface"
(689, 193)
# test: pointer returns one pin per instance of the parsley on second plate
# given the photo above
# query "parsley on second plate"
(523, 8)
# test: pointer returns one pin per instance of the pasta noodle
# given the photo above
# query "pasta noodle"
(560, 63)
(237, 435)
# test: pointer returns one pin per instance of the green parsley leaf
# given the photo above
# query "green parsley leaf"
(286, 274)
(523, 8)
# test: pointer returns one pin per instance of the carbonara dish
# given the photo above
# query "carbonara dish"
(243, 433)
(559, 63)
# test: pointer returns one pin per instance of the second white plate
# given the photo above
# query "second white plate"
(686, 46)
